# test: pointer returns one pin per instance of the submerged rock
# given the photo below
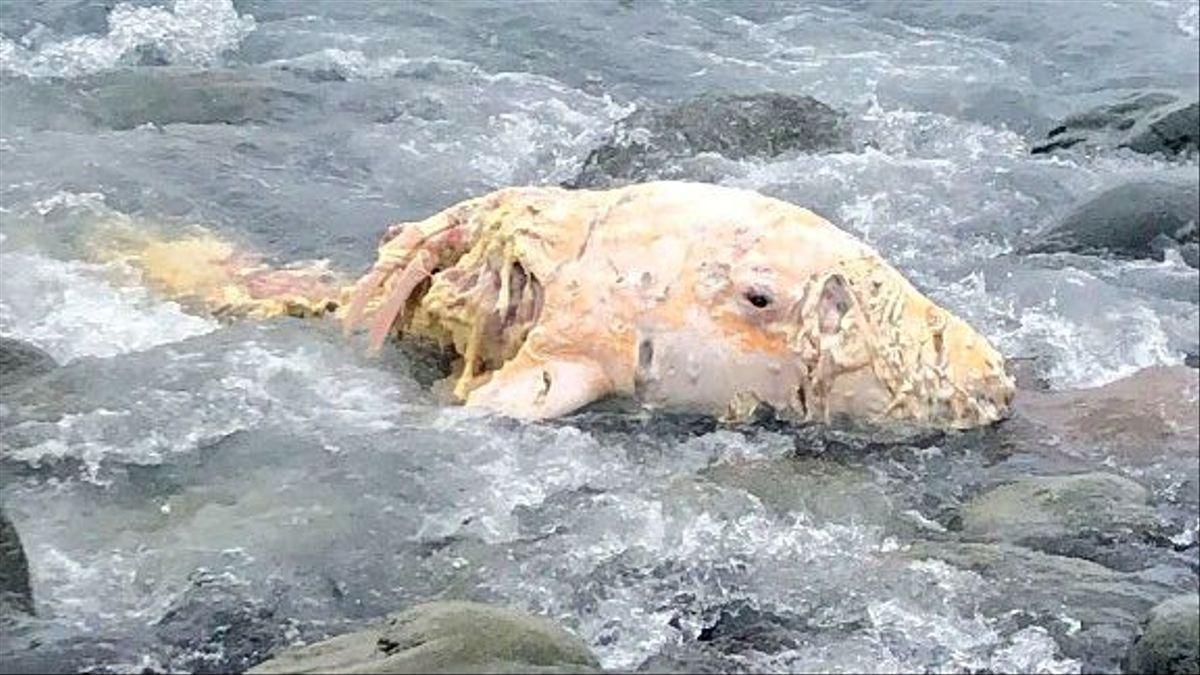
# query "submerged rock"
(1135, 220)
(1149, 123)
(20, 361)
(1081, 515)
(650, 143)
(216, 627)
(1091, 611)
(445, 637)
(128, 99)
(15, 592)
(823, 491)
(1170, 642)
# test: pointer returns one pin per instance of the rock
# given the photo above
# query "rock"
(1135, 220)
(1190, 253)
(1081, 516)
(649, 143)
(444, 637)
(1170, 642)
(820, 490)
(128, 99)
(1092, 612)
(20, 361)
(1147, 424)
(15, 592)
(215, 628)
(1141, 419)
(742, 627)
(1174, 132)
(1149, 123)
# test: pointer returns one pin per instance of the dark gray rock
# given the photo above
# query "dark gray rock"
(1170, 642)
(1174, 132)
(445, 637)
(1190, 252)
(21, 360)
(1134, 220)
(1149, 123)
(650, 143)
(15, 592)
(216, 628)
(741, 627)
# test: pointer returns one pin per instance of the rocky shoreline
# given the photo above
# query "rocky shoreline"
(1090, 541)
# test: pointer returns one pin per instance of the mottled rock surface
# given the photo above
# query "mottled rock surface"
(1082, 515)
(1170, 642)
(1150, 123)
(1141, 418)
(444, 637)
(650, 143)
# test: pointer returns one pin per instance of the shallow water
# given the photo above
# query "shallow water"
(178, 475)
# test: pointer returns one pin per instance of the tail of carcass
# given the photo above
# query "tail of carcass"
(208, 274)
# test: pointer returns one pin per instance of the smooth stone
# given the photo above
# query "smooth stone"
(15, 591)
(1170, 643)
(1149, 122)
(20, 361)
(650, 142)
(444, 637)
(1135, 220)
(1080, 515)
(1141, 419)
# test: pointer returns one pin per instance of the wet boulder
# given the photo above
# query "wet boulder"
(1136, 220)
(652, 141)
(444, 637)
(1150, 123)
(15, 592)
(1170, 642)
(20, 361)
(1094, 516)
(1141, 419)
(216, 627)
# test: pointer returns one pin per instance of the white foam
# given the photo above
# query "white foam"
(353, 64)
(69, 309)
(194, 33)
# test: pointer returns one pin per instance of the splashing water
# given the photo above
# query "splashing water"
(193, 33)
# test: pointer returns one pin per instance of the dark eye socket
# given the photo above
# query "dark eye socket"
(758, 299)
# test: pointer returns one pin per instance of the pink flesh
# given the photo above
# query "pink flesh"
(362, 292)
(386, 316)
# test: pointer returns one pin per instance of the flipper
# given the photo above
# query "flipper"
(534, 388)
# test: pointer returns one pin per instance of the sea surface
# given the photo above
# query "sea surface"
(185, 488)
